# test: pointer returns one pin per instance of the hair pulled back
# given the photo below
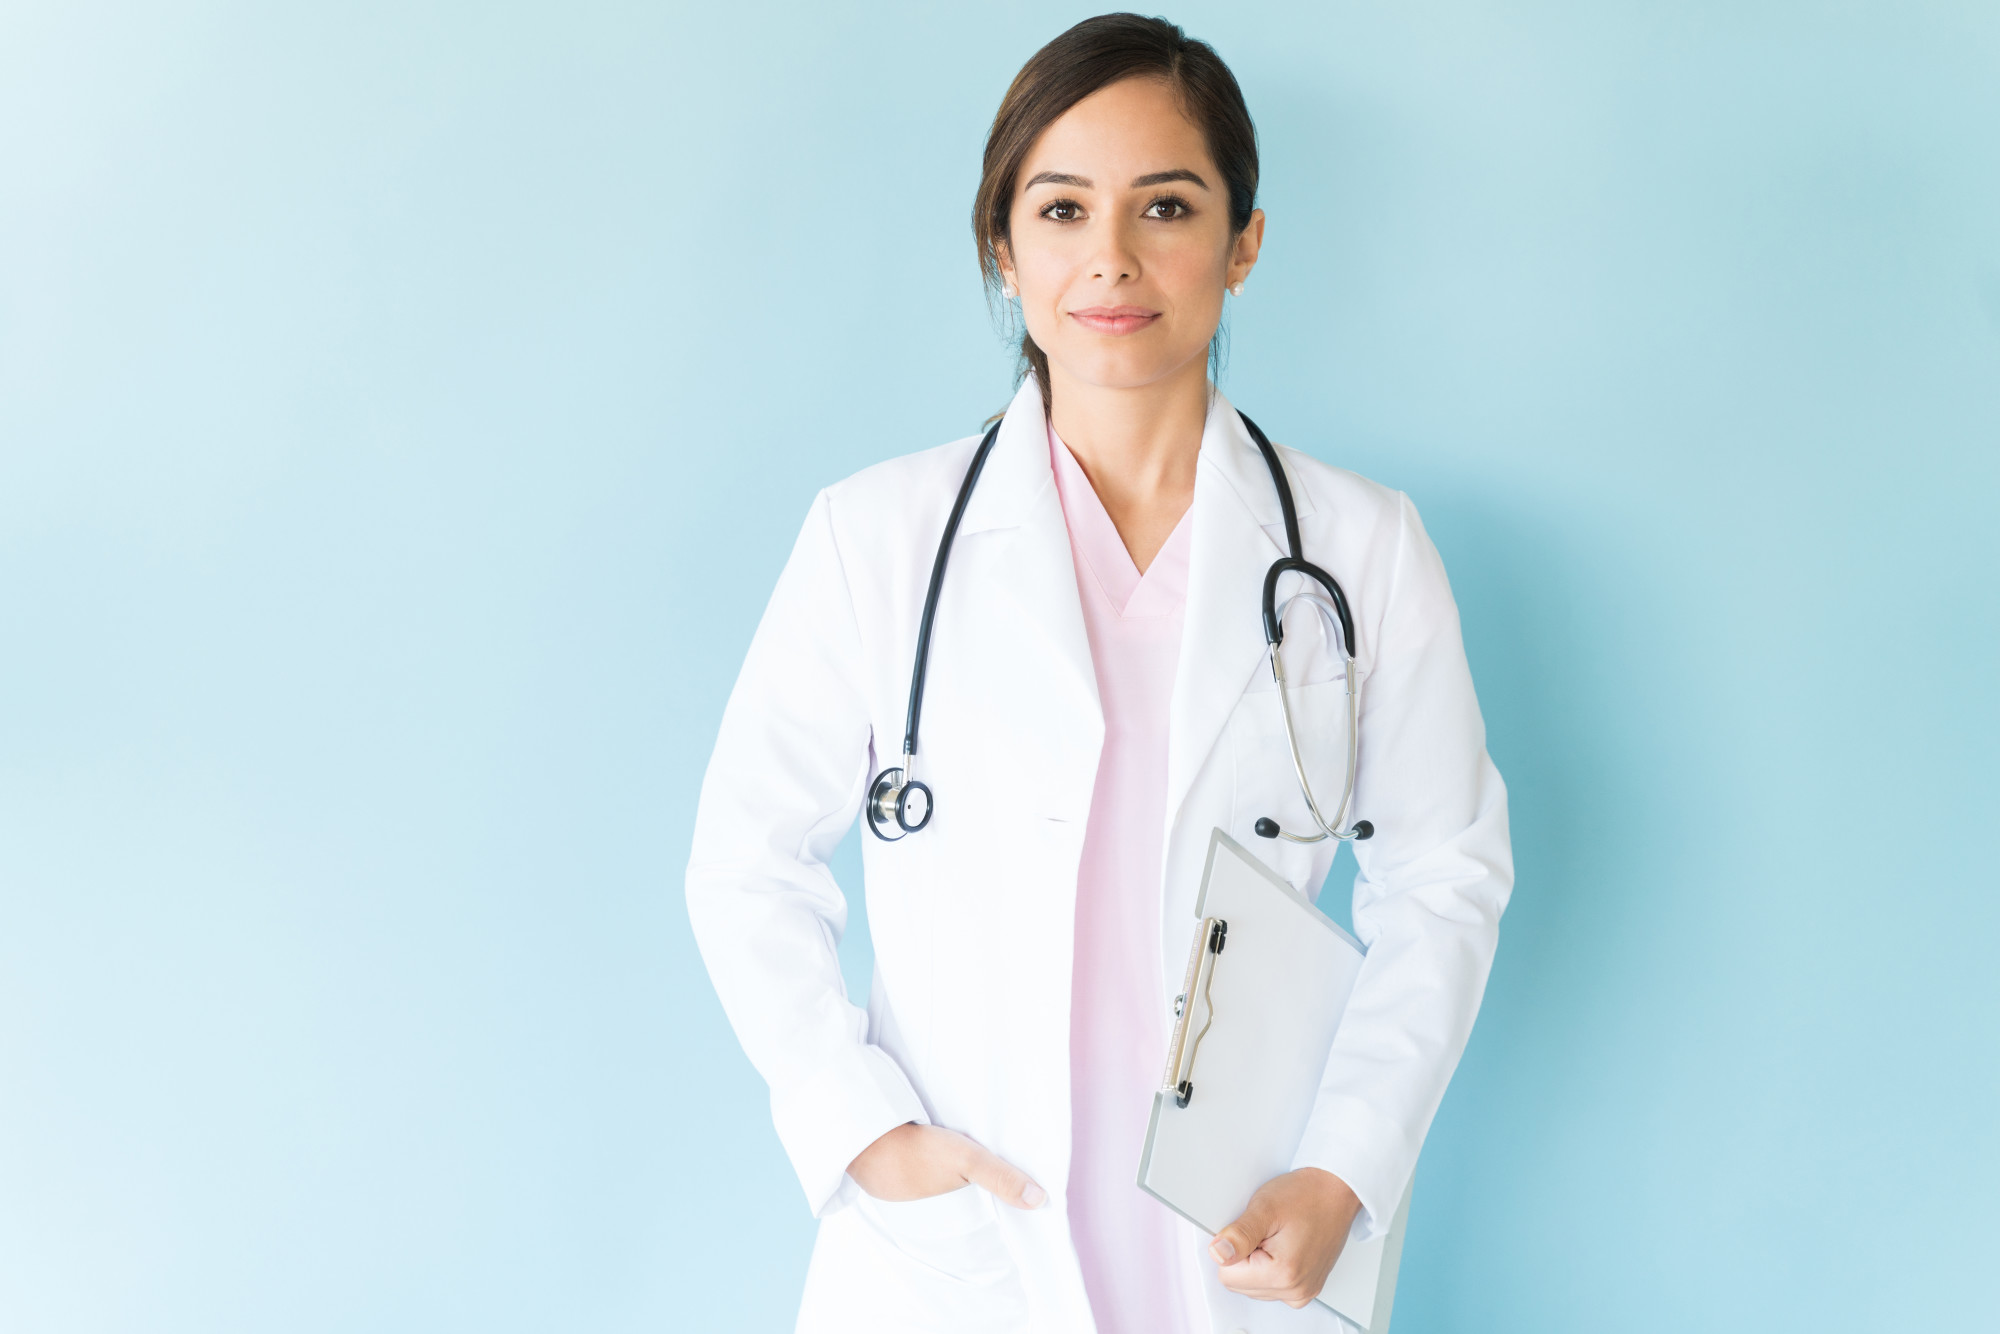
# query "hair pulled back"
(1095, 54)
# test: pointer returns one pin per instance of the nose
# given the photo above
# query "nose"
(1117, 259)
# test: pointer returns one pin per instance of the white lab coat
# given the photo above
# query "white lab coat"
(967, 1022)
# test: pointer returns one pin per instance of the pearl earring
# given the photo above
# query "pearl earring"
(1008, 291)
(1237, 289)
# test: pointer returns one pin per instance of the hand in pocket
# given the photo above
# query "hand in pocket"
(914, 1162)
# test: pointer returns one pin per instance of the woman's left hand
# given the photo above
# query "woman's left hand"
(1284, 1245)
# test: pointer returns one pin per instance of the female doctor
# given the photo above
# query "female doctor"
(1096, 697)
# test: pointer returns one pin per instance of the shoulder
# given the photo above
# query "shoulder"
(1339, 497)
(894, 486)
(1372, 538)
(1375, 532)
(890, 513)
(897, 483)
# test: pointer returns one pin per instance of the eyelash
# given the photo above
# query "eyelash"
(1175, 200)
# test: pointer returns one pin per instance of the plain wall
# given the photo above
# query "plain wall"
(404, 413)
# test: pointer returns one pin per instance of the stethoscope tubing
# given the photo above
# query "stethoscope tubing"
(1296, 562)
(891, 795)
(920, 669)
(1274, 636)
(894, 791)
(1333, 828)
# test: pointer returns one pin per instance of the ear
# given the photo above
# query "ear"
(1004, 258)
(1243, 255)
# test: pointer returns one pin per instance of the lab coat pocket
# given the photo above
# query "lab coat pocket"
(956, 1234)
(1267, 783)
(1311, 652)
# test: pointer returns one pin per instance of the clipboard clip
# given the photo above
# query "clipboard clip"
(1210, 936)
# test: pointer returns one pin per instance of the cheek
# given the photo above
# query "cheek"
(1039, 251)
(1197, 313)
(1051, 262)
(1044, 271)
(1047, 277)
(1198, 308)
(1192, 276)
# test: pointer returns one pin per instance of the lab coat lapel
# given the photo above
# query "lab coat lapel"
(1223, 643)
(1017, 492)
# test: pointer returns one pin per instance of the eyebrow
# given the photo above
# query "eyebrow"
(1139, 183)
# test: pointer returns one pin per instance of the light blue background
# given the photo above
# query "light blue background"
(405, 411)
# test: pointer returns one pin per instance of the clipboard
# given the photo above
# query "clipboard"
(1268, 977)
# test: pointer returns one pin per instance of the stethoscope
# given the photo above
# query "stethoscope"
(900, 804)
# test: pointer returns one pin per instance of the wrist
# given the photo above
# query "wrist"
(1331, 1196)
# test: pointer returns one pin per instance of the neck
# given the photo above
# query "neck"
(1137, 446)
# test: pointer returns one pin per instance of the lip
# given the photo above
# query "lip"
(1114, 319)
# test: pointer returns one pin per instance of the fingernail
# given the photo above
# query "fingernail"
(1033, 1195)
(1222, 1251)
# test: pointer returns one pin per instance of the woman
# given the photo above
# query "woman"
(1098, 700)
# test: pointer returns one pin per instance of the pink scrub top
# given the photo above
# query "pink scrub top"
(1136, 1255)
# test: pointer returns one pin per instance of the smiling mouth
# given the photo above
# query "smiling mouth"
(1114, 319)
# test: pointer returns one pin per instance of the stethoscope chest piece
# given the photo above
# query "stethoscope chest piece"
(897, 807)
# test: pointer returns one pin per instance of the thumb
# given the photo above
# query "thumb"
(1007, 1182)
(1246, 1234)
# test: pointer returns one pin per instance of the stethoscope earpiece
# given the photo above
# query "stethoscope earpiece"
(1269, 829)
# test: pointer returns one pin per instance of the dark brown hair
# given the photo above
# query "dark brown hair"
(1095, 54)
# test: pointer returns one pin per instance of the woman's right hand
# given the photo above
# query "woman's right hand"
(915, 1161)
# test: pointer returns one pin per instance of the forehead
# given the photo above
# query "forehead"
(1129, 128)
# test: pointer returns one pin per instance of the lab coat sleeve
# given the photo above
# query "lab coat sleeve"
(783, 787)
(1433, 882)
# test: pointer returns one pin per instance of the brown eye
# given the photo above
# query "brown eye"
(1167, 208)
(1062, 210)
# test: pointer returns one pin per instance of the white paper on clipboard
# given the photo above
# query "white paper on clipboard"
(1250, 1046)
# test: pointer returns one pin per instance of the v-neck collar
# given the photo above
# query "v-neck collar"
(1162, 589)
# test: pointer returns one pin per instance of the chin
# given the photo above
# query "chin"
(1125, 369)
